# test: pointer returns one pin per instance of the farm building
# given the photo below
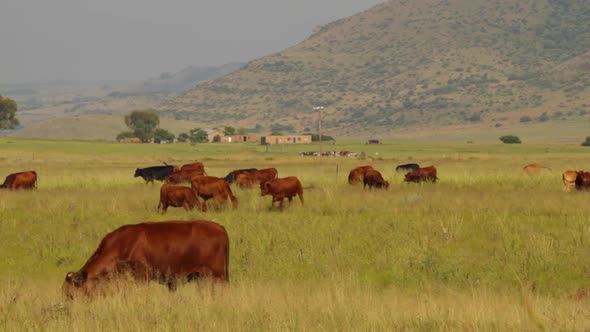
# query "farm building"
(285, 139)
(212, 133)
(240, 138)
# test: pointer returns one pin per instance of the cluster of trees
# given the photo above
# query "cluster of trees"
(144, 125)
(8, 108)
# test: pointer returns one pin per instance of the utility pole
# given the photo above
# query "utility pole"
(319, 109)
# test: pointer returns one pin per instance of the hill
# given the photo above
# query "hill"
(93, 110)
(186, 79)
(422, 64)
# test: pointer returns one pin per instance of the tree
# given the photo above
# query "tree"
(197, 135)
(316, 137)
(586, 142)
(183, 137)
(525, 118)
(8, 110)
(242, 131)
(216, 139)
(229, 131)
(143, 123)
(510, 139)
(163, 135)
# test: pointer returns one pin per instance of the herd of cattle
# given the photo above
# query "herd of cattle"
(174, 193)
(180, 251)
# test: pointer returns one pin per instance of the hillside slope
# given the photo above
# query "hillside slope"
(416, 64)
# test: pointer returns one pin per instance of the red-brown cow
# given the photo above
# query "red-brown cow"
(583, 180)
(533, 168)
(251, 179)
(177, 196)
(166, 251)
(280, 188)
(20, 180)
(422, 174)
(196, 166)
(356, 174)
(208, 187)
(569, 179)
(182, 176)
(373, 178)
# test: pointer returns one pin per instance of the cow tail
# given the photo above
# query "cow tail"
(226, 265)
(35, 183)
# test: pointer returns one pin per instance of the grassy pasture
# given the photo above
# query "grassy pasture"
(486, 248)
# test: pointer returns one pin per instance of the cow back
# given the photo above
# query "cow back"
(263, 175)
(232, 176)
(20, 180)
(196, 166)
(356, 174)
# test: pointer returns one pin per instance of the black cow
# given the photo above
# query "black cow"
(149, 174)
(233, 175)
(407, 167)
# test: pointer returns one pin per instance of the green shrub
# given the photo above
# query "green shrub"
(510, 139)
(525, 118)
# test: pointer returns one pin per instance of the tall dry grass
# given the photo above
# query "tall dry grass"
(486, 248)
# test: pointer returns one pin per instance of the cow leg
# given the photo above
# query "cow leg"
(290, 200)
(300, 198)
(171, 284)
(282, 199)
(204, 206)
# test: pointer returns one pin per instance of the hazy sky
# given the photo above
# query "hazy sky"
(136, 39)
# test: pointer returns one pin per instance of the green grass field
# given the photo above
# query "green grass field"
(487, 248)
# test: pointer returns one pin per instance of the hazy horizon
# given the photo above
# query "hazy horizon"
(133, 40)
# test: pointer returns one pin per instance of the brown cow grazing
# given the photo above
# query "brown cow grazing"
(20, 180)
(356, 174)
(166, 251)
(251, 179)
(177, 196)
(208, 187)
(233, 175)
(533, 168)
(373, 178)
(422, 174)
(182, 176)
(583, 180)
(281, 188)
(569, 179)
(196, 166)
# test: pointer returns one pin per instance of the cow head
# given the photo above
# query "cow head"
(386, 184)
(173, 178)
(75, 284)
(137, 172)
(409, 177)
(264, 188)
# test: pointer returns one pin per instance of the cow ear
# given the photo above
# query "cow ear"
(70, 276)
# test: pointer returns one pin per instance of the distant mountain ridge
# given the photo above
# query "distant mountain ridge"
(186, 79)
(67, 109)
(420, 63)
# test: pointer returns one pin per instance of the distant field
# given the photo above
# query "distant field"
(486, 248)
